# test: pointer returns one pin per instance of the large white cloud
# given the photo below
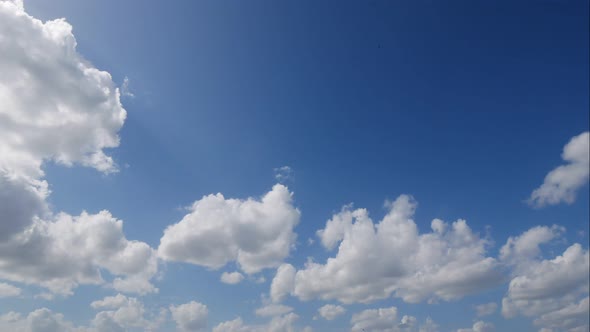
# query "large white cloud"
(547, 289)
(55, 106)
(257, 234)
(375, 261)
(191, 316)
(44, 254)
(562, 183)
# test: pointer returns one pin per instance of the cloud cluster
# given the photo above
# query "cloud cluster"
(387, 320)
(256, 234)
(562, 183)
(57, 107)
(554, 291)
(375, 261)
(119, 313)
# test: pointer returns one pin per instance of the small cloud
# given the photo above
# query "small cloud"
(125, 91)
(284, 173)
(231, 278)
(486, 309)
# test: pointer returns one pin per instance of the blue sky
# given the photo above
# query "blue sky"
(466, 106)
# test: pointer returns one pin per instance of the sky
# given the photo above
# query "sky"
(250, 166)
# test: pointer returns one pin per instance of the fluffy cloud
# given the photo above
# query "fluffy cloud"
(57, 107)
(7, 290)
(375, 261)
(548, 289)
(231, 278)
(190, 316)
(386, 320)
(125, 314)
(283, 323)
(479, 326)
(561, 184)
(43, 254)
(282, 283)
(257, 234)
(330, 311)
(486, 309)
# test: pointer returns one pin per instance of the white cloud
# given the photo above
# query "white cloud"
(562, 183)
(257, 234)
(190, 316)
(387, 320)
(40, 320)
(374, 261)
(232, 278)
(486, 309)
(283, 323)
(272, 310)
(7, 290)
(330, 311)
(547, 289)
(55, 106)
(283, 282)
(572, 317)
(126, 314)
(43, 254)
(521, 250)
(479, 326)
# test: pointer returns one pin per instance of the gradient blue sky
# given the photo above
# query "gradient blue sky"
(465, 105)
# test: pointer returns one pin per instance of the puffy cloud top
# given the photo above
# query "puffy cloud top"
(257, 234)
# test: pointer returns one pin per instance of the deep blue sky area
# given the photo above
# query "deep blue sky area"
(465, 105)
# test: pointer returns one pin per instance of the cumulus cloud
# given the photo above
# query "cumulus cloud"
(375, 261)
(256, 234)
(231, 278)
(562, 183)
(55, 104)
(486, 309)
(479, 326)
(330, 311)
(125, 314)
(386, 320)
(284, 323)
(547, 288)
(190, 316)
(7, 290)
(43, 254)
(283, 282)
(57, 107)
